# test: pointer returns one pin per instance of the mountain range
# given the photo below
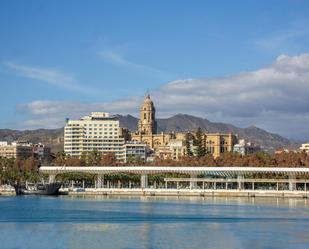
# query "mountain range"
(178, 123)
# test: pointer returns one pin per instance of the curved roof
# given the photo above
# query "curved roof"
(148, 100)
(220, 171)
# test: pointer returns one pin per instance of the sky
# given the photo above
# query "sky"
(239, 62)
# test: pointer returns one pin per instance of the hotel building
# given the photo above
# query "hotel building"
(96, 132)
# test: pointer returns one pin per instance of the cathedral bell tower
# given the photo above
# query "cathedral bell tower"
(147, 124)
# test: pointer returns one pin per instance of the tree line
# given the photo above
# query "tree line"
(16, 171)
(259, 159)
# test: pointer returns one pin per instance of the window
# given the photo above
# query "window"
(144, 115)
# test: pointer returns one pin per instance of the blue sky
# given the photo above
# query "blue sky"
(66, 58)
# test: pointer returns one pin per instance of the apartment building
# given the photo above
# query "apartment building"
(244, 148)
(18, 150)
(97, 132)
(175, 149)
(304, 147)
(41, 152)
(135, 150)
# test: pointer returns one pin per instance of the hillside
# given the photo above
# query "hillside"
(179, 122)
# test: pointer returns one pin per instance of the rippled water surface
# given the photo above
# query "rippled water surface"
(102, 222)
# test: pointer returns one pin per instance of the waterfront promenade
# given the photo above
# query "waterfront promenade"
(187, 193)
(201, 181)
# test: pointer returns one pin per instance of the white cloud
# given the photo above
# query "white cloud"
(49, 76)
(275, 97)
(116, 58)
(283, 39)
(52, 114)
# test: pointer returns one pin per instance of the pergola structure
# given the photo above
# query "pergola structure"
(212, 175)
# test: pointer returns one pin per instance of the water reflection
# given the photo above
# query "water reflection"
(153, 222)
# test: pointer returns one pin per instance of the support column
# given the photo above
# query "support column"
(277, 186)
(253, 187)
(100, 181)
(83, 183)
(193, 184)
(51, 178)
(177, 184)
(240, 182)
(144, 181)
(292, 182)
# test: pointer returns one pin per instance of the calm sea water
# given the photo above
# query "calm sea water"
(67, 222)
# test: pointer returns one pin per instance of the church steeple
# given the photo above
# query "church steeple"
(147, 124)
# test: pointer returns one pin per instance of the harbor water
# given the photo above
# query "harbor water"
(104, 222)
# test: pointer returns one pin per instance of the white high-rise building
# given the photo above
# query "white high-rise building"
(96, 132)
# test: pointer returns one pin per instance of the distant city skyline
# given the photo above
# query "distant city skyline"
(239, 62)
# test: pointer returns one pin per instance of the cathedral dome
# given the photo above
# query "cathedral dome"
(147, 104)
(148, 100)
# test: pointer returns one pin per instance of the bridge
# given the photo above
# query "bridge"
(214, 176)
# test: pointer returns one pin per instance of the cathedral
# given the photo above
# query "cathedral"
(147, 127)
(215, 143)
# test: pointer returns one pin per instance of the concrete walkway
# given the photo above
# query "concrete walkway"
(188, 192)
